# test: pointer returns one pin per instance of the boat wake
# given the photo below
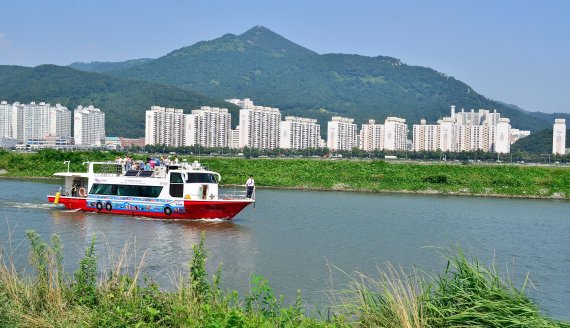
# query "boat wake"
(27, 205)
(144, 218)
(72, 211)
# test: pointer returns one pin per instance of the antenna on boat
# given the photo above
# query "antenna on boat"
(67, 162)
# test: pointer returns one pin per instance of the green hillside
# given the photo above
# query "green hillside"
(123, 101)
(108, 66)
(538, 142)
(273, 71)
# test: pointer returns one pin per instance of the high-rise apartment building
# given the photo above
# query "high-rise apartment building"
(426, 137)
(502, 136)
(36, 121)
(466, 131)
(392, 135)
(164, 126)
(33, 121)
(60, 122)
(6, 120)
(208, 127)
(341, 133)
(234, 138)
(395, 133)
(89, 126)
(559, 137)
(259, 126)
(299, 133)
(372, 136)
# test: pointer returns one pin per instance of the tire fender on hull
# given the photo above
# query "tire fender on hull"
(167, 210)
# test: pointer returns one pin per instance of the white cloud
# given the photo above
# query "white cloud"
(4, 42)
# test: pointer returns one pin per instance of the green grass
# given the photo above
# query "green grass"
(466, 294)
(343, 175)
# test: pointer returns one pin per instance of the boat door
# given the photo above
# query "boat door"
(176, 184)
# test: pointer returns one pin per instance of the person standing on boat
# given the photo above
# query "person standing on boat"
(250, 186)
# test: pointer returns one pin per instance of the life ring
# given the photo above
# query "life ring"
(167, 211)
(99, 206)
(108, 207)
(82, 192)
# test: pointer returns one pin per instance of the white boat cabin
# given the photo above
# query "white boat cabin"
(179, 181)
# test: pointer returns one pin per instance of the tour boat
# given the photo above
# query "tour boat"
(176, 191)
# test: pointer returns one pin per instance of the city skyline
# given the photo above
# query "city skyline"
(509, 51)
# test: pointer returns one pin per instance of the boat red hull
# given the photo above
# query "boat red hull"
(192, 209)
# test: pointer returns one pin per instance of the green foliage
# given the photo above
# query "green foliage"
(86, 277)
(124, 101)
(466, 294)
(198, 273)
(538, 142)
(471, 295)
(39, 258)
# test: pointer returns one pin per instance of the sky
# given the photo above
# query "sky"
(516, 52)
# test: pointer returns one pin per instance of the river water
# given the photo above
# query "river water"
(303, 239)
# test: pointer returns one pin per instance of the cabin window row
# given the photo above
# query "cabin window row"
(194, 178)
(125, 190)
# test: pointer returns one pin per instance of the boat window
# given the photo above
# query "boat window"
(176, 178)
(176, 185)
(103, 189)
(201, 178)
(126, 190)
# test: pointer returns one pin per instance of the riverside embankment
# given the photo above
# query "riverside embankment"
(501, 180)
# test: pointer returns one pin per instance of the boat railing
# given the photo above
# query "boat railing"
(233, 194)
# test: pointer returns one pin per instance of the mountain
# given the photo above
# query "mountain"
(548, 117)
(123, 101)
(102, 67)
(273, 71)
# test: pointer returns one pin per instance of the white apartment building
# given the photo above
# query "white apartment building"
(299, 133)
(372, 136)
(395, 133)
(234, 138)
(6, 120)
(208, 127)
(34, 121)
(503, 136)
(60, 122)
(517, 134)
(465, 131)
(559, 137)
(164, 126)
(426, 137)
(259, 126)
(392, 135)
(89, 129)
(448, 135)
(341, 133)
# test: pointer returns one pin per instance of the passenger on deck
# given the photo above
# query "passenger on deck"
(74, 187)
(250, 187)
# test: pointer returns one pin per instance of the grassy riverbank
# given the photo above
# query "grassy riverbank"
(499, 180)
(465, 294)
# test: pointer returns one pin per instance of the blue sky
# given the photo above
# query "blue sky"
(512, 51)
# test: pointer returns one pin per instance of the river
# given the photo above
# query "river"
(303, 239)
